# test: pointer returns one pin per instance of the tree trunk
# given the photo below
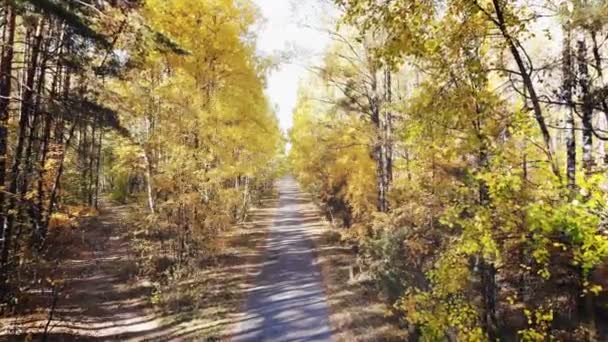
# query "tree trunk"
(98, 169)
(487, 269)
(6, 68)
(26, 110)
(488, 284)
(40, 234)
(32, 214)
(91, 151)
(378, 153)
(56, 184)
(567, 86)
(149, 185)
(388, 128)
(600, 74)
(587, 107)
(529, 85)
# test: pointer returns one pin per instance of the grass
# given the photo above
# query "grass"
(202, 301)
(356, 312)
(106, 296)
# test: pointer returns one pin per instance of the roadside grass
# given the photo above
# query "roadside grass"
(203, 300)
(356, 312)
(104, 295)
(88, 287)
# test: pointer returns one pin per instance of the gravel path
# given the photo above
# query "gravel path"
(287, 302)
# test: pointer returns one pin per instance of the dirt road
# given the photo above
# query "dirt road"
(288, 302)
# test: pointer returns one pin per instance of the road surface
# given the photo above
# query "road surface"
(287, 302)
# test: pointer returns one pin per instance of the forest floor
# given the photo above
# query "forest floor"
(356, 311)
(100, 297)
(96, 292)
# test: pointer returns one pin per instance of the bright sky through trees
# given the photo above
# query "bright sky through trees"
(290, 26)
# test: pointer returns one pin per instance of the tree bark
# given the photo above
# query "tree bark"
(529, 85)
(57, 183)
(149, 185)
(378, 153)
(488, 283)
(27, 105)
(600, 74)
(487, 268)
(98, 169)
(6, 68)
(567, 86)
(587, 107)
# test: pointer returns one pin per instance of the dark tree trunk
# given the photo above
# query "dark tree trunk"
(91, 165)
(488, 284)
(567, 86)
(26, 110)
(378, 154)
(382, 151)
(98, 169)
(32, 212)
(6, 68)
(587, 107)
(598, 67)
(487, 270)
(57, 183)
(528, 84)
(40, 233)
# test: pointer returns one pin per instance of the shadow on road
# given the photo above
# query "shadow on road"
(287, 302)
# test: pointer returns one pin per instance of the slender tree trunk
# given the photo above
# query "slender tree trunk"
(33, 210)
(587, 108)
(600, 74)
(26, 110)
(584, 83)
(487, 269)
(98, 169)
(57, 182)
(91, 165)
(60, 89)
(378, 149)
(567, 86)
(40, 235)
(6, 68)
(382, 146)
(488, 283)
(529, 85)
(149, 185)
(388, 129)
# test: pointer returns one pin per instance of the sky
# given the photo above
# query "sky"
(291, 26)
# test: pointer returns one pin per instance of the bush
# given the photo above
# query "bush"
(331, 237)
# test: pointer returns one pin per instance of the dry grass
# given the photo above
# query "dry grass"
(102, 298)
(92, 269)
(356, 313)
(207, 302)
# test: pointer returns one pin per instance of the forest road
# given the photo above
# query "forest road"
(287, 302)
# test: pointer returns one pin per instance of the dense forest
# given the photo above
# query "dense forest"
(458, 146)
(116, 100)
(481, 126)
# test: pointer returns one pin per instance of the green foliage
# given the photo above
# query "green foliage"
(540, 322)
